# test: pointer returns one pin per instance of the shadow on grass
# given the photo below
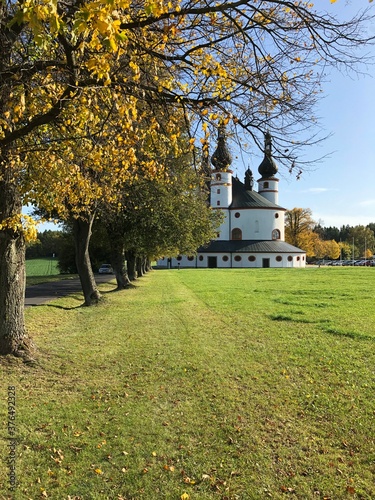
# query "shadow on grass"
(330, 330)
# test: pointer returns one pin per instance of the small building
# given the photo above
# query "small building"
(252, 232)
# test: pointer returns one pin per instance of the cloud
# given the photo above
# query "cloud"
(367, 203)
(319, 190)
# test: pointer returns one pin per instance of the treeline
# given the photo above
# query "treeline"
(319, 242)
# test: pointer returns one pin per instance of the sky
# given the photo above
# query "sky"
(339, 190)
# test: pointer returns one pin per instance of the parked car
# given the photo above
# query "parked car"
(105, 269)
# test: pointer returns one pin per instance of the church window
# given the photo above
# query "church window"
(179, 258)
(266, 185)
(251, 258)
(218, 177)
(218, 191)
(237, 258)
(279, 258)
(275, 234)
(237, 215)
(276, 216)
(201, 258)
(236, 234)
(190, 258)
(297, 258)
(218, 203)
(225, 258)
(290, 258)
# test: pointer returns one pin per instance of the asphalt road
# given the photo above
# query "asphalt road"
(45, 292)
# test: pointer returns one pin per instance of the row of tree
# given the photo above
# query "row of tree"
(101, 101)
(348, 242)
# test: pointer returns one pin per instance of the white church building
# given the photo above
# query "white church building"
(252, 232)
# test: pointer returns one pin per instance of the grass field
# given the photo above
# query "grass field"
(43, 271)
(200, 384)
(41, 267)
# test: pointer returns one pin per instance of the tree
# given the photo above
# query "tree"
(346, 250)
(257, 64)
(363, 238)
(163, 215)
(299, 227)
(332, 249)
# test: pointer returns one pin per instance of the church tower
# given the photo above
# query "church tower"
(221, 178)
(268, 184)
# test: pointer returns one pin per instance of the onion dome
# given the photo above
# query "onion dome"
(249, 180)
(268, 167)
(221, 159)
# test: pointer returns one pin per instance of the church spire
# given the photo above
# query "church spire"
(249, 180)
(268, 167)
(221, 159)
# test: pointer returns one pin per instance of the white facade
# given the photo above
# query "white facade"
(253, 231)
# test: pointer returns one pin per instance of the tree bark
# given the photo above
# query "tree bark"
(13, 338)
(118, 259)
(131, 264)
(82, 233)
(139, 266)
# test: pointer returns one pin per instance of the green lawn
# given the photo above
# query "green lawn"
(41, 267)
(43, 270)
(201, 384)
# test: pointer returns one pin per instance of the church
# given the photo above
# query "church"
(252, 232)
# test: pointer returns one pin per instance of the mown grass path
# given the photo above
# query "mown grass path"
(201, 384)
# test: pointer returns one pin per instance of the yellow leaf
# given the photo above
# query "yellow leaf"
(185, 496)
(98, 471)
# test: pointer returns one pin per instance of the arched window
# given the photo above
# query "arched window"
(236, 234)
(275, 234)
(266, 185)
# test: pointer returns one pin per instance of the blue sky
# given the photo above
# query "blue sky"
(341, 189)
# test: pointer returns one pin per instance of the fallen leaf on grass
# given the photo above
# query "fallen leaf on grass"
(286, 489)
(169, 467)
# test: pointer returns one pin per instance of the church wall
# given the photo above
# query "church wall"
(256, 224)
(221, 189)
(235, 260)
(224, 228)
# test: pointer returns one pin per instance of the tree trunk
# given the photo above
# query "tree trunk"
(13, 338)
(139, 265)
(82, 233)
(131, 264)
(118, 259)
